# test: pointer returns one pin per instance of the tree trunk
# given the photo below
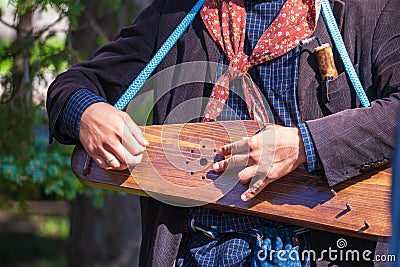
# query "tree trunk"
(17, 129)
(21, 70)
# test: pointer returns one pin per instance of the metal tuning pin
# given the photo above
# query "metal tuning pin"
(348, 207)
(333, 192)
(367, 224)
(310, 40)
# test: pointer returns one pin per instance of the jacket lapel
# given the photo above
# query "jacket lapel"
(308, 70)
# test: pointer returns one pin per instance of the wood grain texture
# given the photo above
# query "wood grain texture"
(177, 169)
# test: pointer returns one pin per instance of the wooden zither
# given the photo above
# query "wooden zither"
(177, 169)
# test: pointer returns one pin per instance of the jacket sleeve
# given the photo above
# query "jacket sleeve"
(111, 68)
(358, 140)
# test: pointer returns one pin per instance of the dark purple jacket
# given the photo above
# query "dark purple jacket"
(346, 136)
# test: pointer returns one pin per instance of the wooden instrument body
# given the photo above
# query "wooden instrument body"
(177, 169)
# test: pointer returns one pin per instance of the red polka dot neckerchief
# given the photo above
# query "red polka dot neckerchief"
(225, 20)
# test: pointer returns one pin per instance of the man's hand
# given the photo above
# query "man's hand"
(266, 157)
(110, 137)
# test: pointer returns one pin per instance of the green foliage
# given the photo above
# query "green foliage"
(30, 168)
(46, 172)
(6, 62)
(66, 8)
(40, 47)
(54, 226)
(51, 54)
(114, 4)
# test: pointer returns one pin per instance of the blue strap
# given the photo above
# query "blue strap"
(124, 100)
(348, 65)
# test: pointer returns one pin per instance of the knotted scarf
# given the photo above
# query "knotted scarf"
(225, 20)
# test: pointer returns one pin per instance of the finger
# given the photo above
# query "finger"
(128, 154)
(241, 160)
(107, 159)
(132, 144)
(125, 158)
(102, 157)
(136, 132)
(258, 183)
(234, 148)
(96, 156)
(247, 174)
(99, 161)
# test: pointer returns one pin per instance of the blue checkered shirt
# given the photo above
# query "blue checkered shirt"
(277, 79)
(69, 121)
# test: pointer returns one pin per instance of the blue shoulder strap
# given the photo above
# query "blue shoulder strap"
(348, 65)
(134, 87)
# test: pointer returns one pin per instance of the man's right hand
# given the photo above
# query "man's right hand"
(110, 137)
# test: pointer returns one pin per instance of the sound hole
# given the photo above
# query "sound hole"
(203, 162)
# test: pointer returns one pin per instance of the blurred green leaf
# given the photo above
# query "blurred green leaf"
(30, 168)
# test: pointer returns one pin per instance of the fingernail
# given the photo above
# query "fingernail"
(146, 143)
(244, 197)
(216, 166)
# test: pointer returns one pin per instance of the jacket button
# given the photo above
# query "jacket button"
(372, 166)
(365, 168)
(385, 162)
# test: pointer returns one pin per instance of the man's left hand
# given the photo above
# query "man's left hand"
(266, 157)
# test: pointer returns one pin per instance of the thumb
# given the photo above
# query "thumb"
(257, 184)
